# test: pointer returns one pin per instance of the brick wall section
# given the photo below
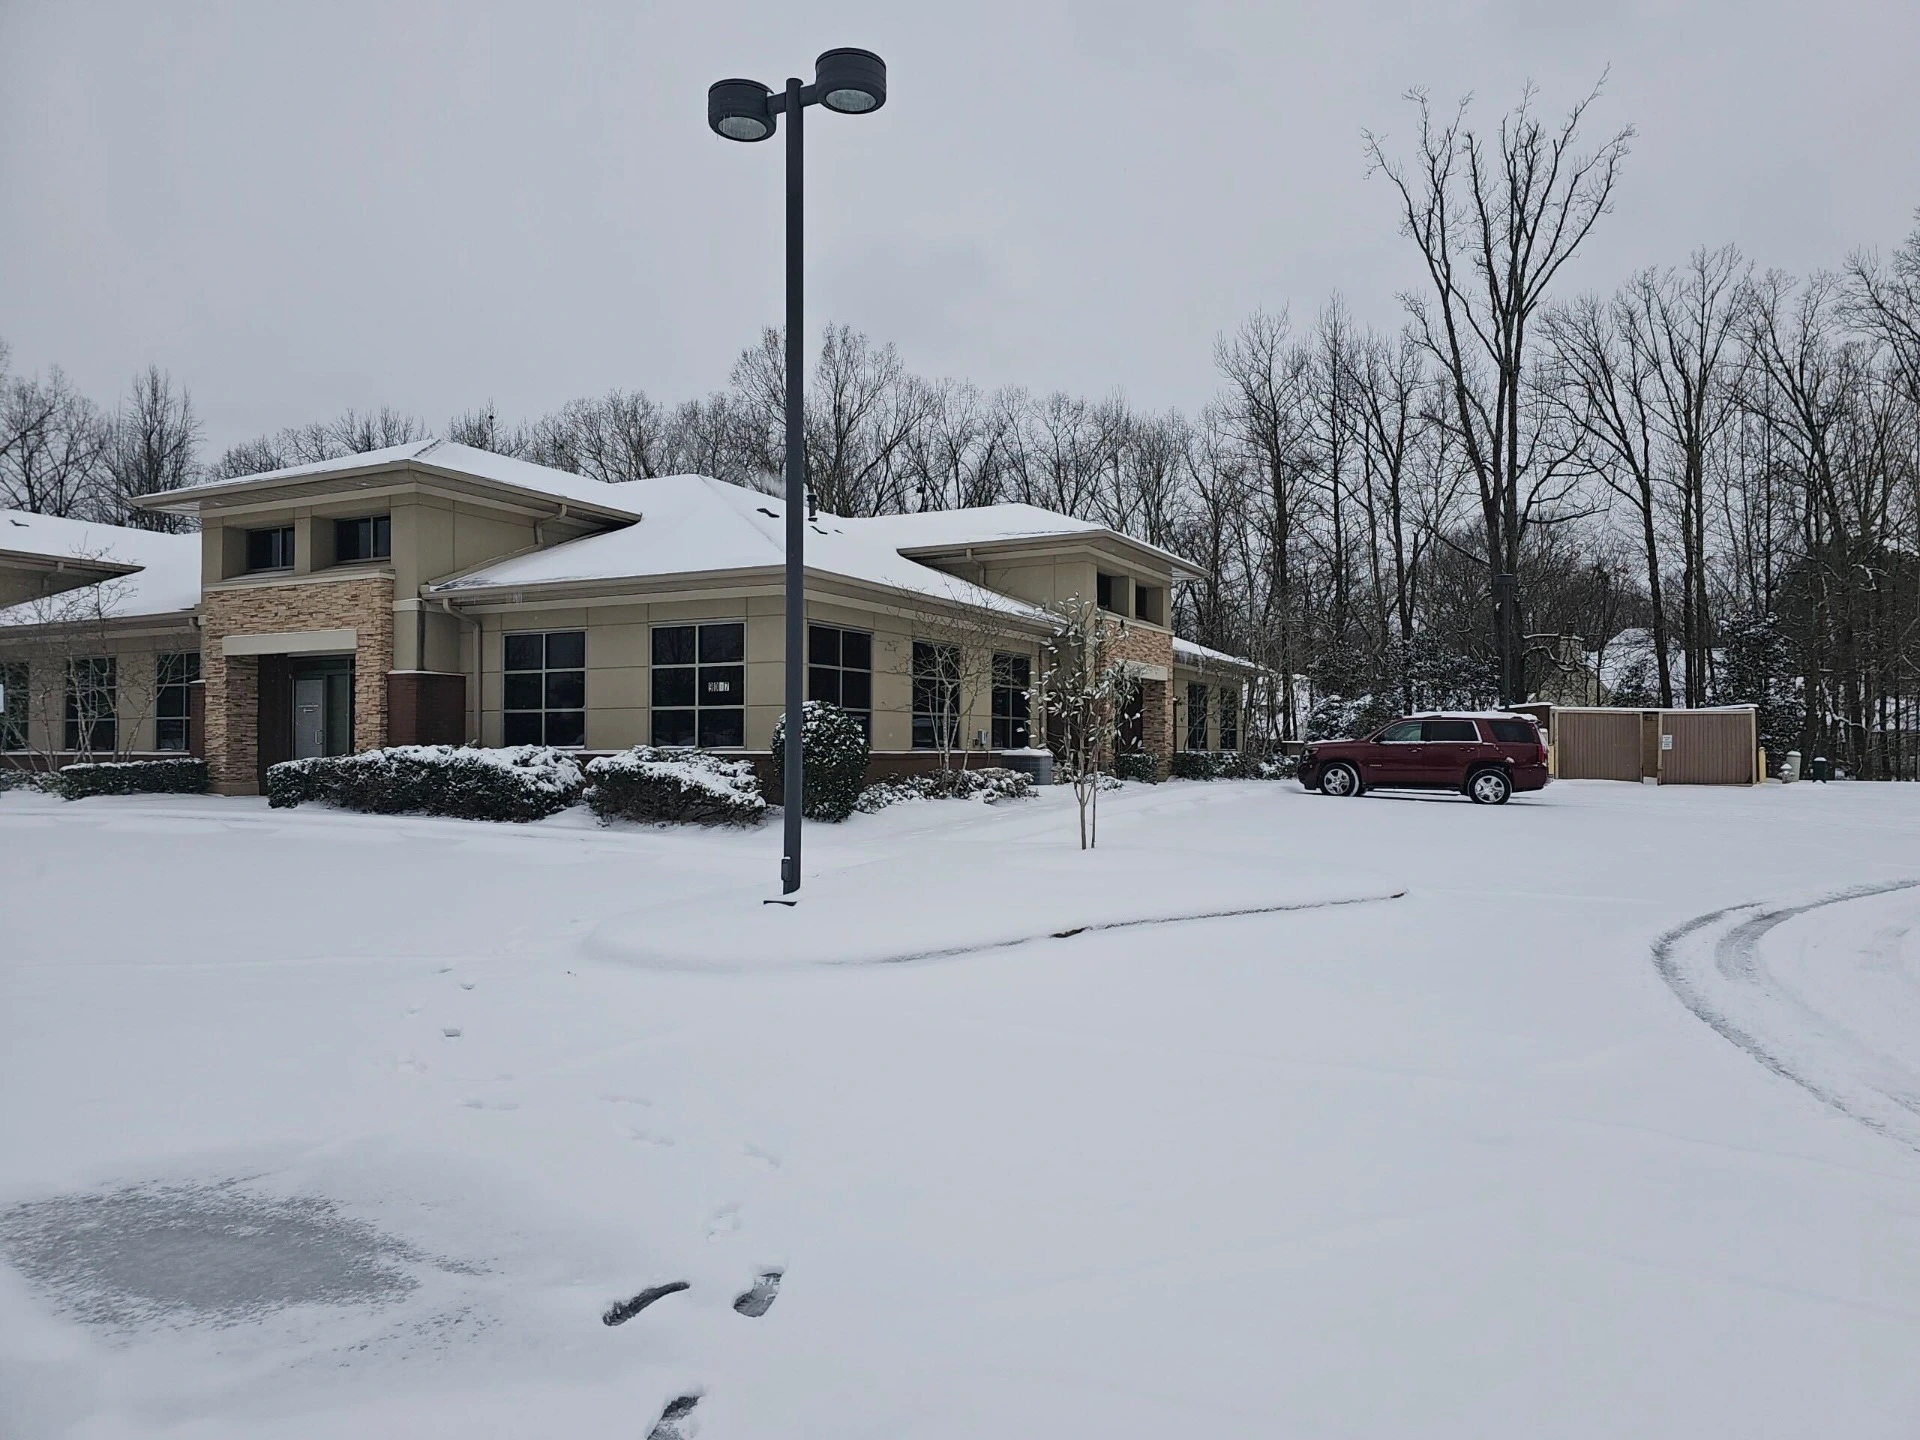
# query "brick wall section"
(426, 708)
(364, 604)
(1152, 647)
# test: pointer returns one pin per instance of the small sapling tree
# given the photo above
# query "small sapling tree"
(1083, 693)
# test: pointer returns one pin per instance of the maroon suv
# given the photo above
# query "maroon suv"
(1485, 757)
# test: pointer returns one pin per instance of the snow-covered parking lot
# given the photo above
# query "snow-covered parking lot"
(320, 1125)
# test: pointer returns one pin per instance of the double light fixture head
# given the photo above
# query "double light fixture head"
(853, 82)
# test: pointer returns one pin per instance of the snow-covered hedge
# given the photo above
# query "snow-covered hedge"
(834, 753)
(1138, 767)
(674, 787)
(15, 778)
(1231, 765)
(184, 776)
(991, 783)
(521, 782)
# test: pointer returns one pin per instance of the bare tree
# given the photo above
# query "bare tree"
(1268, 384)
(80, 702)
(153, 448)
(1083, 692)
(1496, 219)
(53, 447)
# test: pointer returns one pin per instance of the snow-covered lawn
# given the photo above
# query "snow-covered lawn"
(322, 1125)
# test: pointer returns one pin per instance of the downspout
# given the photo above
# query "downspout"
(540, 526)
(479, 665)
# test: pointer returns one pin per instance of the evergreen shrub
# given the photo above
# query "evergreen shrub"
(518, 783)
(833, 754)
(185, 776)
(674, 787)
(992, 783)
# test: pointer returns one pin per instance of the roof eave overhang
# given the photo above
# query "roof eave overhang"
(144, 622)
(196, 500)
(666, 586)
(1055, 540)
(42, 563)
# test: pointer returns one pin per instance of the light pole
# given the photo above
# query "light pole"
(852, 82)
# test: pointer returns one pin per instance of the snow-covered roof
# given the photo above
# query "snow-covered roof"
(693, 524)
(151, 573)
(436, 455)
(1188, 653)
(988, 524)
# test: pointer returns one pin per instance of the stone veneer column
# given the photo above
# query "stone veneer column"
(1144, 646)
(362, 603)
(233, 715)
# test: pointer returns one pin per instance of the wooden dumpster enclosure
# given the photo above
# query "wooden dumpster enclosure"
(1673, 747)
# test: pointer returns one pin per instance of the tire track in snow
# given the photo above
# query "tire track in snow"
(1716, 965)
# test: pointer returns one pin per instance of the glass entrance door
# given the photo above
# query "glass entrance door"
(322, 707)
(309, 716)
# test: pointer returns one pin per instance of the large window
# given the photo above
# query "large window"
(546, 688)
(92, 727)
(368, 538)
(13, 714)
(936, 696)
(173, 677)
(270, 549)
(700, 685)
(840, 671)
(1012, 709)
(1107, 590)
(1457, 731)
(1196, 717)
(1229, 719)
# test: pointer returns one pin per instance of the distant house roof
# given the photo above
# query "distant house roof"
(429, 456)
(693, 525)
(143, 572)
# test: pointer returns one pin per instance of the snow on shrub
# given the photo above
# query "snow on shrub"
(1138, 767)
(1230, 765)
(674, 787)
(833, 752)
(133, 777)
(521, 782)
(1195, 765)
(991, 783)
(14, 778)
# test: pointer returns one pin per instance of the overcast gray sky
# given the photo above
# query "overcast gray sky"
(298, 208)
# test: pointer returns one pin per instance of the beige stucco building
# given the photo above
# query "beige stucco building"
(436, 593)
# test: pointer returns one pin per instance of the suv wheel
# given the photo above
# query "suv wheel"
(1489, 787)
(1339, 778)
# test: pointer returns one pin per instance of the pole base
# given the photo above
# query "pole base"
(789, 875)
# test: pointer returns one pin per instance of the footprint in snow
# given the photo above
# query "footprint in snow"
(765, 1157)
(725, 1221)
(650, 1137)
(491, 1104)
(758, 1300)
(675, 1421)
(452, 1032)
